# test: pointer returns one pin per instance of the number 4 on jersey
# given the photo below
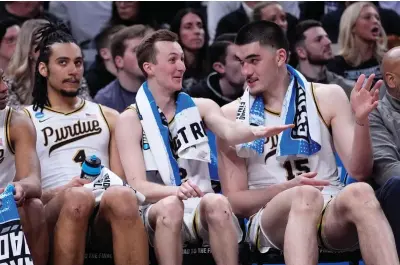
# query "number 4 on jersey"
(80, 156)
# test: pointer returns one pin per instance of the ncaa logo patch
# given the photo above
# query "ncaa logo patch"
(39, 115)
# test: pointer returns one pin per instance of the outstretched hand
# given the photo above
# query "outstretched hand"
(268, 131)
(363, 99)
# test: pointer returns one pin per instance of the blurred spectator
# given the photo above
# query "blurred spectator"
(232, 22)
(130, 13)
(362, 42)
(390, 20)
(102, 71)
(189, 25)
(21, 70)
(291, 7)
(9, 32)
(273, 11)
(314, 51)
(121, 93)
(84, 18)
(24, 10)
(225, 83)
(217, 10)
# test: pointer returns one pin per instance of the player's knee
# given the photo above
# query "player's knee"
(307, 199)
(359, 196)
(170, 212)
(78, 204)
(120, 203)
(216, 209)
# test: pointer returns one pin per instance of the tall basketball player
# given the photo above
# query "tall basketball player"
(287, 211)
(70, 129)
(19, 165)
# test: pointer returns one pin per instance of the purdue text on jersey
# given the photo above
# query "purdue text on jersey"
(70, 133)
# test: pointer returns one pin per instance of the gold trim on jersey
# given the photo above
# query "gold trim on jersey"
(7, 125)
(27, 112)
(83, 102)
(132, 107)
(317, 105)
(273, 112)
(104, 117)
(108, 126)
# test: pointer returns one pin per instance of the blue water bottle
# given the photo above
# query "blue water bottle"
(91, 168)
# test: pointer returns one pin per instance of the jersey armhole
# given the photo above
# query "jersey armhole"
(27, 113)
(7, 126)
(105, 119)
(318, 108)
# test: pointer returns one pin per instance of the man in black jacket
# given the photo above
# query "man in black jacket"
(225, 83)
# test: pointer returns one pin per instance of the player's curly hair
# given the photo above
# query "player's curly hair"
(46, 36)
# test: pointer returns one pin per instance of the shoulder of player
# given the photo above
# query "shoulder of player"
(110, 114)
(326, 93)
(19, 122)
(230, 109)
(129, 121)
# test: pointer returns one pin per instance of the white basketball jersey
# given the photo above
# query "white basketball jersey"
(266, 170)
(7, 159)
(64, 140)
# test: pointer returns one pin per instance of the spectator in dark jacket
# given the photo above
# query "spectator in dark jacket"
(225, 83)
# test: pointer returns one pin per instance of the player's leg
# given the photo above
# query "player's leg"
(165, 219)
(355, 215)
(214, 214)
(33, 222)
(388, 196)
(118, 222)
(69, 212)
(289, 222)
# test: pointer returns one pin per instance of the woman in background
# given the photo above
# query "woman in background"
(189, 25)
(362, 42)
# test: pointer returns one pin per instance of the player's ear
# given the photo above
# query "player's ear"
(43, 71)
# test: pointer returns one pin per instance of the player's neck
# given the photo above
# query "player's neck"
(165, 100)
(274, 95)
(62, 103)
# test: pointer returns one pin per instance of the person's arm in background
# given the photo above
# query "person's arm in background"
(59, 10)
(215, 11)
(385, 150)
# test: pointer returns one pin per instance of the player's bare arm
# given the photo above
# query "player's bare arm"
(23, 142)
(349, 123)
(128, 138)
(229, 130)
(111, 117)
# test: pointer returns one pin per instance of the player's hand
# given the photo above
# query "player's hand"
(19, 194)
(363, 99)
(189, 190)
(268, 131)
(309, 179)
(77, 182)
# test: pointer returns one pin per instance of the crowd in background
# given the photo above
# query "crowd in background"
(320, 49)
